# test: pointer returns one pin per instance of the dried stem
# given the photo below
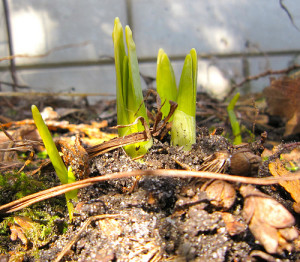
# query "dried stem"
(263, 74)
(58, 190)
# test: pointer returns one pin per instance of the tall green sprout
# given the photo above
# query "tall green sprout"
(130, 101)
(65, 176)
(165, 82)
(183, 132)
(235, 125)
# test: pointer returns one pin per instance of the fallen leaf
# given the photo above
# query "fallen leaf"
(233, 225)
(293, 187)
(269, 221)
(75, 155)
(220, 193)
(283, 97)
(18, 232)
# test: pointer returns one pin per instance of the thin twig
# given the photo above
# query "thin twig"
(264, 74)
(58, 48)
(58, 190)
(288, 14)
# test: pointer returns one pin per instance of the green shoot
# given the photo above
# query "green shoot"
(65, 176)
(233, 120)
(165, 82)
(130, 101)
(183, 132)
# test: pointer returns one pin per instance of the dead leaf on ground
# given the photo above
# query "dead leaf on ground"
(269, 221)
(75, 155)
(293, 187)
(283, 98)
(233, 224)
(292, 159)
(18, 229)
(220, 193)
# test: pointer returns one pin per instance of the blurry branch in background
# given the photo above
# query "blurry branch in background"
(58, 48)
(289, 14)
(264, 74)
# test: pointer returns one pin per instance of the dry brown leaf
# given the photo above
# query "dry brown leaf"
(75, 155)
(18, 229)
(233, 225)
(293, 187)
(220, 193)
(17, 232)
(293, 156)
(269, 221)
(283, 97)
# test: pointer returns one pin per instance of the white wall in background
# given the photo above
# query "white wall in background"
(80, 32)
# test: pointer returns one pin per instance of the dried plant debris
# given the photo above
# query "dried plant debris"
(270, 222)
(283, 98)
(75, 155)
(293, 187)
(220, 193)
(161, 218)
(234, 224)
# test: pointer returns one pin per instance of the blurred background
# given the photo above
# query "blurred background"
(66, 46)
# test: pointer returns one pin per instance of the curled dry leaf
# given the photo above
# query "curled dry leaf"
(75, 155)
(18, 229)
(293, 187)
(220, 193)
(234, 225)
(269, 221)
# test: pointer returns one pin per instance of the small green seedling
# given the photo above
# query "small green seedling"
(233, 120)
(130, 101)
(183, 132)
(65, 176)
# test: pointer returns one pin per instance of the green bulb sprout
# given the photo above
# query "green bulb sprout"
(235, 126)
(65, 175)
(183, 132)
(130, 101)
(165, 82)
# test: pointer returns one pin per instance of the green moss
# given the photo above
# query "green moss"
(19, 185)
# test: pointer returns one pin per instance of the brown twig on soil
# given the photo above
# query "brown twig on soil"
(83, 227)
(58, 190)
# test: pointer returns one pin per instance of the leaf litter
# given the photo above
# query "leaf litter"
(160, 216)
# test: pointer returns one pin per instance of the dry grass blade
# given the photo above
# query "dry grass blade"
(58, 190)
(116, 143)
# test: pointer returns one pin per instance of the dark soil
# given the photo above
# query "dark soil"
(157, 218)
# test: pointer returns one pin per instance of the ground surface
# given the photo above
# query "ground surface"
(150, 218)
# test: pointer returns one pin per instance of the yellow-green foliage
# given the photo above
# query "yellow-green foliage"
(130, 101)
